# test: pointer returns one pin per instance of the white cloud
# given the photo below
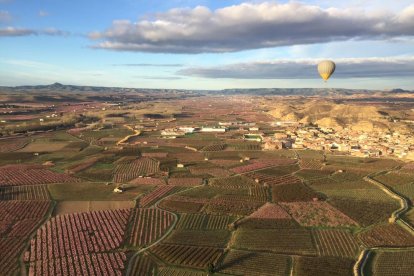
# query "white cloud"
(374, 67)
(14, 31)
(252, 26)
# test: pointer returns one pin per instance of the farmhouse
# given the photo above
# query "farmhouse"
(118, 190)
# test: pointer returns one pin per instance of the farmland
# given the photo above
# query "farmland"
(75, 201)
(155, 195)
(324, 266)
(283, 240)
(391, 234)
(148, 225)
(215, 238)
(32, 192)
(142, 265)
(187, 256)
(336, 243)
(127, 171)
(19, 219)
(207, 222)
(239, 262)
(317, 214)
(398, 263)
(13, 175)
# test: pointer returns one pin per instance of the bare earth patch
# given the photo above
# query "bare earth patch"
(69, 207)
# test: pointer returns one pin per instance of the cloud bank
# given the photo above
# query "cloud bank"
(306, 69)
(251, 26)
(13, 31)
(150, 64)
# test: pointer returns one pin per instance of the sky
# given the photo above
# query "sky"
(206, 44)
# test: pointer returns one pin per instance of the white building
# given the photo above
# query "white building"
(187, 129)
(213, 129)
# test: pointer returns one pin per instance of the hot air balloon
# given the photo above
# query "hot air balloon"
(326, 69)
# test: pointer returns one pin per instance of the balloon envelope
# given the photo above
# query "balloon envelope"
(326, 69)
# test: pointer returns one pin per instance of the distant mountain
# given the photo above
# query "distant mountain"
(58, 87)
(399, 90)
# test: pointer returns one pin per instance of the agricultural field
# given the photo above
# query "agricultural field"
(70, 207)
(91, 264)
(373, 195)
(398, 263)
(282, 240)
(395, 179)
(294, 192)
(181, 206)
(142, 265)
(365, 212)
(332, 184)
(10, 145)
(386, 234)
(19, 219)
(261, 164)
(126, 171)
(406, 190)
(169, 271)
(239, 262)
(91, 191)
(185, 181)
(32, 192)
(232, 207)
(271, 180)
(157, 194)
(206, 222)
(87, 198)
(270, 211)
(215, 238)
(79, 242)
(14, 175)
(311, 164)
(148, 225)
(187, 256)
(232, 182)
(309, 174)
(317, 213)
(339, 243)
(212, 171)
(324, 266)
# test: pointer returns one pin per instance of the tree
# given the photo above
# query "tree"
(210, 268)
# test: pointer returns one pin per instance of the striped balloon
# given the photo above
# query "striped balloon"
(326, 69)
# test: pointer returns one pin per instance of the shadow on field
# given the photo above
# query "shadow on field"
(237, 260)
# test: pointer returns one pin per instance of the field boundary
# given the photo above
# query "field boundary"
(155, 206)
(359, 266)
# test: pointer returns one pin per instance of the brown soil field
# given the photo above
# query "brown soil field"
(69, 207)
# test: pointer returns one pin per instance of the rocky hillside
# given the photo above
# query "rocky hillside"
(328, 114)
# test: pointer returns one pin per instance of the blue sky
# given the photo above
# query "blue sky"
(206, 44)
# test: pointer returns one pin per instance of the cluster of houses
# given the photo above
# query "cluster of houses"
(355, 143)
(221, 128)
(293, 135)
